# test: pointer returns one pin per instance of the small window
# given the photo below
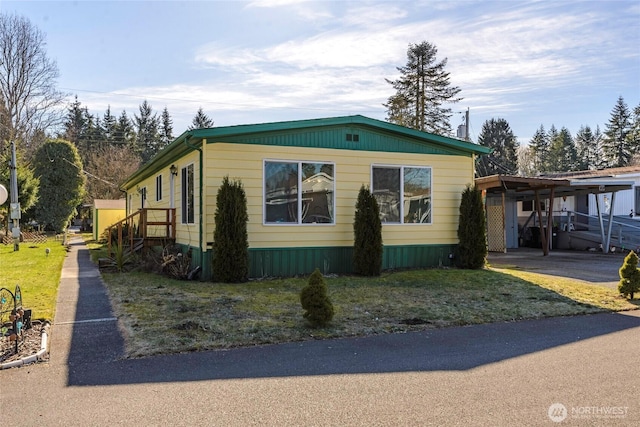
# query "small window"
(188, 216)
(143, 197)
(403, 194)
(285, 203)
(527, 205)
(158, 188)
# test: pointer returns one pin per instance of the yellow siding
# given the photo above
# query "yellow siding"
(187, 234)
(450, 175)
(103, 218)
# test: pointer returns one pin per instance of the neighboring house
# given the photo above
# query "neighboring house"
(626, 201)
(302, 180)
(105, 213)
(566, 202)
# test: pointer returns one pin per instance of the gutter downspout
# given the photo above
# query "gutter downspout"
(200, 209)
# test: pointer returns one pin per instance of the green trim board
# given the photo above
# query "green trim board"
(373, 135)
(289, 262)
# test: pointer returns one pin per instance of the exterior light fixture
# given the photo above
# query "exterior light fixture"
(174, 170)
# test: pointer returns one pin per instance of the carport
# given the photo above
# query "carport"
(511, 189)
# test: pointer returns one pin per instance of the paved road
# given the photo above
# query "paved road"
(502, 374)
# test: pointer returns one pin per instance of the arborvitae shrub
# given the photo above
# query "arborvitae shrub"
(629, 276)
(230, 241)
(315, 301)
(472, 230)
(367, 231)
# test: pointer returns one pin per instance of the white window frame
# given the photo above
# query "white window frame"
(402, 196)
(300, 212)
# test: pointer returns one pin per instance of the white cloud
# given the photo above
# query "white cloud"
(498, 57)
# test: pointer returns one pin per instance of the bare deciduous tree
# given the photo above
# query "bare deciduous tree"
(27, 81)
(106, 169)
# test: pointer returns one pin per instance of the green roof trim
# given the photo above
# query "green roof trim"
(373, 135)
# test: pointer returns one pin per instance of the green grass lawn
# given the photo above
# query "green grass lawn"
(37, 274)
(161, 315)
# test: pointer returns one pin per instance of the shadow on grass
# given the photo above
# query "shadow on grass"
(93, 358)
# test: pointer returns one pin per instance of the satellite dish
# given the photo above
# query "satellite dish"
(3, 194)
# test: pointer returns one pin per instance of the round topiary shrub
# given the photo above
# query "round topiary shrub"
(315, 302)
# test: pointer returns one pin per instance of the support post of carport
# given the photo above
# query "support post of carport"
(545, 234)
(605, 237)
(549, 231)
(605, 249)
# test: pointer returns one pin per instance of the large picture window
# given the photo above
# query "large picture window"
(298, 192)
(403, 194)
(187, 195)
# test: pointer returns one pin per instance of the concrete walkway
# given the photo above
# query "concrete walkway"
(501, 374)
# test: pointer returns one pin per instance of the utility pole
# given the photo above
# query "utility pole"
(14, 207)
(466, 126)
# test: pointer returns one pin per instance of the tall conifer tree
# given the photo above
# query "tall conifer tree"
(616, 147)
(423, 92)
(497, 134)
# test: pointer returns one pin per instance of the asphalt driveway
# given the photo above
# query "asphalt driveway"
(594, 267)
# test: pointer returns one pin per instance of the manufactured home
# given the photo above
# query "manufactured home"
(301, 180)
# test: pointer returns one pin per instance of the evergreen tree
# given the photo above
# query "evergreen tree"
(422, 92)
(230, 239)
(94, 137)
(616, 147)
(124, 134)
(166, 128)
(562, 151)
(633, 136)
(28, 184)
(540, 150)
(588, 148)
(109, 126)
(472, 230)
(58, 166)
(629, 276)
(75, 123)
(147, 132)
(315, 301)
(497, 134)
(201, 121)
(367, 231)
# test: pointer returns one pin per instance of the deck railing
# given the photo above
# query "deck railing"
(148, 223)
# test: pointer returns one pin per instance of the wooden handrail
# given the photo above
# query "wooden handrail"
(140, 218)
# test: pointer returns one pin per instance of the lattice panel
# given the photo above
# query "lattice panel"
(495, 229)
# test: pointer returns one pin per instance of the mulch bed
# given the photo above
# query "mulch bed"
(28, 345)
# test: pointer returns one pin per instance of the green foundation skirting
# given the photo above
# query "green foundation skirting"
(288, 262)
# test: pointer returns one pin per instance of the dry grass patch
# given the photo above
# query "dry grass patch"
(161, 315)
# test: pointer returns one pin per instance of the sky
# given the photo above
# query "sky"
(532, 63)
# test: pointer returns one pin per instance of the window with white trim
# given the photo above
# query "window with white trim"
(188, 204)
(403, 193)
(299, 192)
